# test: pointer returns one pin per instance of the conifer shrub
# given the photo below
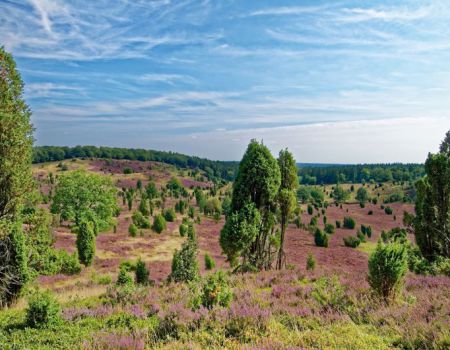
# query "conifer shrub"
(329, 228)
(169, 215)
(142, 273)
(183, 230)
(43, 311)
(132, 230)
(320, 238)
(388, 210)
(209, 262)
(159, 223)
(310, 262)
(388, 265)
(184, 263)
(351, 241)
(349, 223)
(140, 220)
(338, 224)
(310, 209)
(85, 242)
(124, 278)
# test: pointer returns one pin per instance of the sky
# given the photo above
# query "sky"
(333, 81)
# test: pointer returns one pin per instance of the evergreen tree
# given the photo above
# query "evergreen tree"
(85, 242)
(286, 196)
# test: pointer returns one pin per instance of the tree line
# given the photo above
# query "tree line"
(214, 169)
(360, 173)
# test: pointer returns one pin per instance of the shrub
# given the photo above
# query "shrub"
(159, 223)
(313, 221)
(329, 228)
(184, 263)
(86, 242)
(310, 262)
(360, 236)
(338, 224)
(124, 278)
(43, 311)
(324, 219)
(320, 238)
(192, 235)
(140, 220)
(310, 209)
(132, 230)
(183, 230)
(209, 262)
(387, 269)
(141, 273)
(215, 291)
(349, 223)
(69, 263)
(127, 171)
(370, 212)
(351, 241)
(388, 210)
(169, 215)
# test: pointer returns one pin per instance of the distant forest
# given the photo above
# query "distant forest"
(310, 174)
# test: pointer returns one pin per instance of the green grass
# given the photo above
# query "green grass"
(367, 247)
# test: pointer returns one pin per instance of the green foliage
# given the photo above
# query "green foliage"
(320, 238)
(360, 236)
(310, 262)
(82, 194)
(338, 224)
(124, 278)
(142, 273)
(396, 234)
(362, 196)
(351, 241)
(310, 209)
(140, 221)
(132, 230)
(14, 272)
(159, 223)
(239, 232)
(143, 206)
(387, 268)
(329, 228)
(213, 206)
(432, 222)
(215, 290)
(349, 223)
(85, 242)
(339, 194)
(209, 262)
(366, 230)
(192, 235)
(183, 230)
(43, 311)
(16, 140)
(169, 215)
(184, 263)
(388, 210)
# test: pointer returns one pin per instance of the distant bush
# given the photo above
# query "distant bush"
(209, 262)
(349, 223)
(142, 274)
(69, 263)
(338, 224)
(370, 212)
(139, 220)
(388, 210)
(43, 311)
(159, 223)
(127, 171)
(132, 230)
(310, 262)
(310, 209)
(351, 241)
(360, 236)
(169, 215)
(387, 268)
(320, 238)
(366, 230)
(329, 228)
(183, 230)
(124, 278)
(313, 221)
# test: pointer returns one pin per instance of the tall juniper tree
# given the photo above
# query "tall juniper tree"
(286, 196)
(255, 188)
(16, 183)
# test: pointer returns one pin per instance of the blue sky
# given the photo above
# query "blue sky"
(334, 81)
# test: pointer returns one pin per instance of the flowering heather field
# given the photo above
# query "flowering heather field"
(330, 307)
